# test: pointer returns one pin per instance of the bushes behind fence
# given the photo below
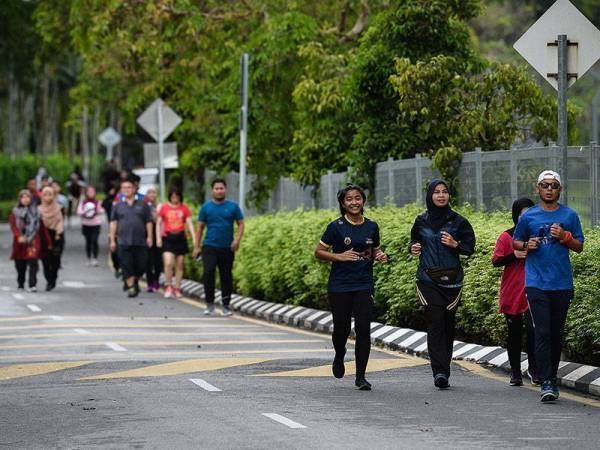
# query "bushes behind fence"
(276, 263)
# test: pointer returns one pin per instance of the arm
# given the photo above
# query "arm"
(112, 235)
(149, 230)
(159, 226)
(240, 232)
(80, 208)
(566, 238)
(464, 244)
(323, 253)
(414, 246)
(190, 226)
(504, 253)
(199, 233)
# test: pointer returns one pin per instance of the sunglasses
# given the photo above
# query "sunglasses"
(555, 185)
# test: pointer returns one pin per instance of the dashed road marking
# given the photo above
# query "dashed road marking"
(283, 420)
(80, 331)
(26, 370)
(18, 296)
(131, 325)
(57, 318)
(5, 288)
(34, 308)
(73, 284)
(116, 347)
(205, 385)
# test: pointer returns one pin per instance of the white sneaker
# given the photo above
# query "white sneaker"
(226, 312)
(32, 289)
(210, 310)
(88, 263)
(94, 262)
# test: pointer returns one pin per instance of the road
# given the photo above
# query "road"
(86, 367)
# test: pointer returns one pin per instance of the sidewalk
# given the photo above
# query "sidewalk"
(579, 377)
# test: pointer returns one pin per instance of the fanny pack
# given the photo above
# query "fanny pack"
(443, 275)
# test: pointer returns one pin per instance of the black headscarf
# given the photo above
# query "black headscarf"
(436, 215)
(517, 207)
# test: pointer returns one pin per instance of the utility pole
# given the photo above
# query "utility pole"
(243, 128)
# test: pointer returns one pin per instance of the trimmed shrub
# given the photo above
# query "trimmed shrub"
(276, 263)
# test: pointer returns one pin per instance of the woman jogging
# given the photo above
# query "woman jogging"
(513, 302)
(52, 218)
(27, 229)
(438, 237)
(351, 244)
(90, 210)
(173, 217)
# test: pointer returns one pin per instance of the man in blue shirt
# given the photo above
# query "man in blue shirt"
(547, 232)
(218, 248)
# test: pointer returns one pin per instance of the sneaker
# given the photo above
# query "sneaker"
(169, 292)
(94, 262)
(516, 379)
(210, 310)
(555, 388)
(535, 381)
(88, 263)
(150, 289)
(178, 293)
(118, 274)
(338, 367)
(156, 285)
(226, 312)
(125, 287)
(32, 289)
(132, 292)
(441, 381)
(362, 384)
(50, 286)
(547, 393)
(21, 288)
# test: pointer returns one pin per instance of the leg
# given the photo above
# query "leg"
(539, 306)
(85, 230)
(33, 270)
(21, 266)
(436, 338)
(530, 344)
(341, 310)
(559, 307)
(362, 308)
(168, 261)
(514, 323)
(450, 323)
(47, 267)
(209, 260)
(141, 261)
(95, 235)
(225, 263)
(178, 271)
(127, 264)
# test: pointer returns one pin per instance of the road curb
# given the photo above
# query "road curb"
(579, 377)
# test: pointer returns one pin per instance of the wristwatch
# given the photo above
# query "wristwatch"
(525, 245)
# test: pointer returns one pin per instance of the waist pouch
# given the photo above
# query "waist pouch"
(443, 275)
(175, 237)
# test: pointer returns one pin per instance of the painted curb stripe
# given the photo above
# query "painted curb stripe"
(502, 358)
(463, 350)
(381, 331)
(412, 339)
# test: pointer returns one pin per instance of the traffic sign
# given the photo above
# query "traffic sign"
(149, 122)
(539, 43)
(109, 137)
(170, 159)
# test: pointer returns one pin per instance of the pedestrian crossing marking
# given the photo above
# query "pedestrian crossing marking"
(27, 370)
(179, 368)
(90, 334)
(375, 365)
(42, 326)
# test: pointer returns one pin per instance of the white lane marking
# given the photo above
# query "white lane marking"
(5, 288)
(18, 296)
(34, 308)
(116, 347)
(57, 318)
(73, 284)
(283, 420)
(204, 385)
(81, 331)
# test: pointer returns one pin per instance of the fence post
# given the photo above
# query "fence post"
(594, 185)
(514, 188)
(478, 179)
(419, 177)
(390, 170)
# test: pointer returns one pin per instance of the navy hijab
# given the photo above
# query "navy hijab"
(436, 216)
(517, 207)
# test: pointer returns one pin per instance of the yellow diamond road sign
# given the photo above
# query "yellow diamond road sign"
(538, 47)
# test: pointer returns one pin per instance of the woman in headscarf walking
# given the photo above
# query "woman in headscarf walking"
(52, 218)
(438, 237)
(27, 229)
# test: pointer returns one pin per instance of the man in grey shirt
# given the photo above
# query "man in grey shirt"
(131, 226)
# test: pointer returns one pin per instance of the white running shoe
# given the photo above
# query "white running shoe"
(210, 310)
(94, 262)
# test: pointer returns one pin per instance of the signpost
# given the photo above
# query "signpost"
(159, 121)
(109, 138)
(170, 159)
(243, 128)
(562, 45)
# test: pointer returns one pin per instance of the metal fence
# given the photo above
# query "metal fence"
(488, 181)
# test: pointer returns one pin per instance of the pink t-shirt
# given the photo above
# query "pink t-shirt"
(512, 286)
(90, 212)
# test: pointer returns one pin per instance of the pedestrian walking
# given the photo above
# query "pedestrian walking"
(438, 237)
(218, 216)
(33, 191)
(351, 243)
(107, 205)
(547, 232)
(155, 265)
(53, 221)
(28, 231)
(90, 210)
(512, 299)
(60, 198)
(173, 218)
(131, 226)
(75, 185)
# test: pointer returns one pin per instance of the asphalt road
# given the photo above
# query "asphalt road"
(86, 367)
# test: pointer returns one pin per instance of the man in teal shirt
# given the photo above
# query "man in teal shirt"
(219, 246)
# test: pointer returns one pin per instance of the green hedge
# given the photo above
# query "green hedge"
(276, 263)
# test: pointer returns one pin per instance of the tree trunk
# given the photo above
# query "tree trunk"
(85, 144)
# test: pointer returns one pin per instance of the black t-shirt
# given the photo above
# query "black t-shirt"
(131, 222)
(342, 235)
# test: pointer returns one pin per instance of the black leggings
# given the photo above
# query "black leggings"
(343, 306)
(514, 341)
(91, 234)
(22, 265)
(223, 259)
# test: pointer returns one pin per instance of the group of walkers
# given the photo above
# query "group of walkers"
(536, 287)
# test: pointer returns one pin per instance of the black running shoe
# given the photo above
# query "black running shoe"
(132, 292)
(338, 368)
(362, 384)
(441, 381)
(516, 379)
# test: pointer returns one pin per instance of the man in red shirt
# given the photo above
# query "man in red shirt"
(513, 302)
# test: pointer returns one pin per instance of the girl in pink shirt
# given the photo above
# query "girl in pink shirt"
(90, 210)
(512, 299)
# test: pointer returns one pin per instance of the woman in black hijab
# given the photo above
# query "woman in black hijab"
(438, 237)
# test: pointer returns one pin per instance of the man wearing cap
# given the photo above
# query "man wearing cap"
(547, 232)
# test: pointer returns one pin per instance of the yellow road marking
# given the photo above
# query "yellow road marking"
(135, 333)
(131, 355)
(158, 343)
(375, 365)
(27, 370)
(179, 367)
(129, 325)
(487, 373)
